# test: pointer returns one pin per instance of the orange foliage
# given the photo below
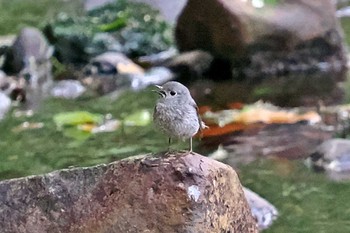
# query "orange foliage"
(275, 117)
(215, 130)
(257, 113)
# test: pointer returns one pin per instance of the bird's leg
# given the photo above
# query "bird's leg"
(190, 145)
(169, 143)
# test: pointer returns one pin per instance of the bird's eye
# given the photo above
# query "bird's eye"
(172, 93)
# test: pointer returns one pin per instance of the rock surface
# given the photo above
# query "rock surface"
(28, 61)
(30, 46)
(177, 193)
(190, 66)
(333, 156)
(287, 141)
(170, 10)
(5, 104)
(136, 30)
(263, 211)
(67, 89)
(294, 36)
(113, 63)
(93, 4)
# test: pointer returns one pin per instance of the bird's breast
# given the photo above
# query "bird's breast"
(176, 121)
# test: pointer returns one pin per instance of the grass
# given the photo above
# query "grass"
(16, 14)
(308, 202)
(46, 149)
(43, 150)
(345, 23)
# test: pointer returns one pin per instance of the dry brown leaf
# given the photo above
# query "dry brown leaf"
(275, 117)
(214, 130)
(230, 120)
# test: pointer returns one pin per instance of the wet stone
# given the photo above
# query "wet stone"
(181, 192)
(263, 211)
(333, 156)
(68, 89)
(5, 104)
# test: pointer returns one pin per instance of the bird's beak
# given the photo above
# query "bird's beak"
(160, 91)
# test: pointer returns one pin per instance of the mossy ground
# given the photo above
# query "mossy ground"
(15, 14)
(307, 201)
(42, 150)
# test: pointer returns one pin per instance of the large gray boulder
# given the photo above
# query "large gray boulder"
(5, 104)
(182, 192)
(168, 9)
(29, 46)
(294, 36)
(333, 156)
(29, 59)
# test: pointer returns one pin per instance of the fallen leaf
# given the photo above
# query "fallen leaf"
(217, 130)
(77, 118)
(275, 117)
(220, 118)
(235, 105)
(204, 109)
(230, 120)
(219, 154)
(110, 125)
(139, 118)
(27, 126)
(77, 134)
(129, 68)
(87, 127)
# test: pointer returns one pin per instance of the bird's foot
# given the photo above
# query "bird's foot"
(186, 152)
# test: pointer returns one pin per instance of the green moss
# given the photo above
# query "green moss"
(43, 150)
(272, 2)
(16, 14)
(261, 92)
(137, 28)
(345, 23)
(307, 201)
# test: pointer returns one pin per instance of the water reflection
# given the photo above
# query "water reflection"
(297, 89)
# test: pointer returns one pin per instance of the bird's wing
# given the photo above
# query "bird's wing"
(202, 125)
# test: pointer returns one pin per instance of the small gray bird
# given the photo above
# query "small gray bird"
(176, 113)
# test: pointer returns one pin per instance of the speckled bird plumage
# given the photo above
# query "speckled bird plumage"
(176, 113)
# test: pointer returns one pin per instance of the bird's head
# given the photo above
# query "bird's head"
(172, 90)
